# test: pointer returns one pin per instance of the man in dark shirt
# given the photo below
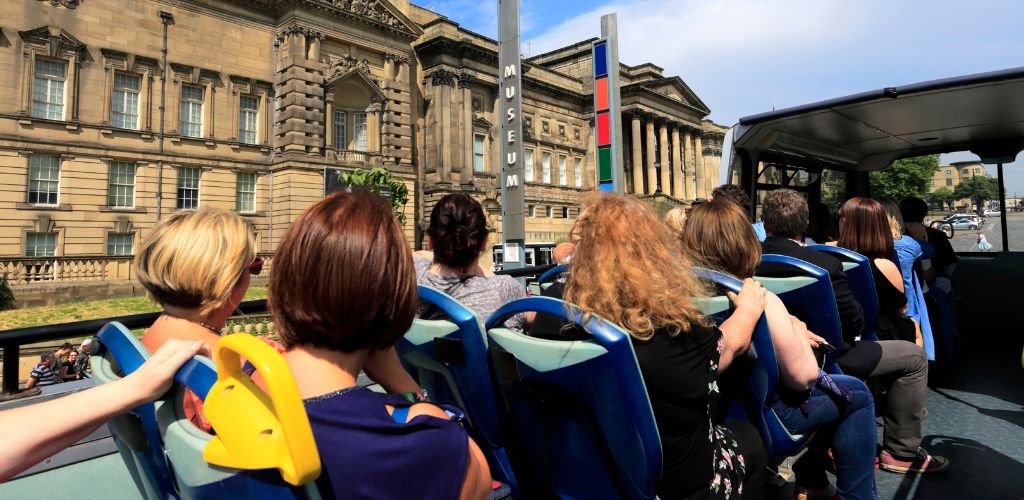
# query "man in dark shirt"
(900, 366)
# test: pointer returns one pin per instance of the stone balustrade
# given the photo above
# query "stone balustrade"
(65, 269)
(354, 158)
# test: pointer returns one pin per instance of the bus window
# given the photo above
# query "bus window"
(545, 256)
(833, 189)
(529, 257)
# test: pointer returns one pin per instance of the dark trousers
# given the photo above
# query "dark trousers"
(903, 373)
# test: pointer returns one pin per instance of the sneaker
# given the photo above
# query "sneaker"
(829, 492)
(922, 463)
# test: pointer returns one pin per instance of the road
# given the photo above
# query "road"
(965, 240)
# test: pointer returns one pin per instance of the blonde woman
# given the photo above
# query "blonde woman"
(676, 219)
(197, 266)
(628, 269)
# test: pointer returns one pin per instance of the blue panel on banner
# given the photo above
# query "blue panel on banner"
(600, 59)
(607, 186)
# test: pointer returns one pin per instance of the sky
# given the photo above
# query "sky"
(747, 56)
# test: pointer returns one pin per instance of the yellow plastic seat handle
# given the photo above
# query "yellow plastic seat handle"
(256, 430)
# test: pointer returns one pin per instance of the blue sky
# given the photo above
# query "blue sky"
(744, 56)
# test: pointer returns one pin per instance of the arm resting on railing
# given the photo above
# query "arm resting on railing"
(38, 431)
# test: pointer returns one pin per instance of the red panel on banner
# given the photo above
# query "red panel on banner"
(603, 130)
(601, 94)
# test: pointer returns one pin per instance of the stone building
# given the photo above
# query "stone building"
(265, 100)
(950, 176)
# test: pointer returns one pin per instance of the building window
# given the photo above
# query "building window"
(949, 182)
(40, 244)
(577, 172)
(188, 188)
(340, 127)
(528, 164)
(121, 185)
(478, 153)
(120, 243)
(530, 211)
(248, 108)
(545, 167)
(359, 131)
(125, 101)
(43, 179)
(549, 212)
(562, 179)
(949, 173)
(245, 190)
(977, 170)
(191, 111)
(48, 89)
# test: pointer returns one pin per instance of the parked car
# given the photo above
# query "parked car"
(964, 221)
(992, 213)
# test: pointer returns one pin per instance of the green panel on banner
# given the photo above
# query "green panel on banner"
(604, 163)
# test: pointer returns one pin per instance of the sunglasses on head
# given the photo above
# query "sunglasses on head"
(256, 267)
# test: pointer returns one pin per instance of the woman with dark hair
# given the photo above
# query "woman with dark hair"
(903, 367)
(457, 235)
(716, 237)
(335, 313)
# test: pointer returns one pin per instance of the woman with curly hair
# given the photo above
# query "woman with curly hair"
(627, 268)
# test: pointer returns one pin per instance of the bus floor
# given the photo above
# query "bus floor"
(976, 420)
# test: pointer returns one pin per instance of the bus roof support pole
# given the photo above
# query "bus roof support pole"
(1002, 207)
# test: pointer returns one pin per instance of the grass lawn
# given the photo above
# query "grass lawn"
(89, 309)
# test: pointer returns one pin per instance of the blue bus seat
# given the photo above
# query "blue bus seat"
(808, 295)
(761, 376)
(549, 276)
(577, 412)
(448, 358)
(862, 283)
(162, 449)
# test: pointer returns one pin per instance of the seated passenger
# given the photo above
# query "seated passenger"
(196, 265)
(715, 238)
(675, 219)
(628, 269)
(902, 367)
(71, 368)
(457, 235)
(944, 261)
(908, 251)
(736, 195)
(42, 374)
(343, 290)
(821, 226)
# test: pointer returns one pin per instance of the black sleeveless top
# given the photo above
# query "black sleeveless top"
(892, 323)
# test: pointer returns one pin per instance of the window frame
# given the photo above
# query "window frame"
(30, 234)
(528, 164)
(243, 112)
(340, 124)
(41, 108)
(126, 92)
(56, 182)
(479, 157)
(184, 127)
(360, 143)
(112, 197)
(110, 242)
(178, 199)
(240, 182)
(545, 167)
(563, 175)
(577, 173)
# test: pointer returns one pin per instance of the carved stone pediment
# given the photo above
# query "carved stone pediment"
(55, 42)
(340, 66)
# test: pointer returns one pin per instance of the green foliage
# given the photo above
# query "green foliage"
(383, 182)
(978, 189)
(907, 177)
(833, 189)
(942, 197)
(6, 295)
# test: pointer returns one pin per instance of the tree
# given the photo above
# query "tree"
(942, 197)
(381, 181)
(977, 189)
(904, 178)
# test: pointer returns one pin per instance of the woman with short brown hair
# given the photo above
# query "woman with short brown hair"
(342, 292)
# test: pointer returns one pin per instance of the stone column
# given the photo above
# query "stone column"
(439, 136)
(638, 174)
(652, 173)
(666, 179)
(689, 192)
(698, 151)
(465, 82)
(677, 167)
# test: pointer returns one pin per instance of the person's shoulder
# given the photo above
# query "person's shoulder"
(420, 262)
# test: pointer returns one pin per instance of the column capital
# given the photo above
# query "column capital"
(465, 80)
(442, 77)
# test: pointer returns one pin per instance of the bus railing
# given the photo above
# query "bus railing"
(11, 341)
(525, 271)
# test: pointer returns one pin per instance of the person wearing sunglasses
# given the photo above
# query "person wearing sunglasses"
(197, 266)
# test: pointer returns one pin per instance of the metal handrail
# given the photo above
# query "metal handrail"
(12, 340)
(525, 271)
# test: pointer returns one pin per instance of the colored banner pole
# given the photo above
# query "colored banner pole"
(510, 98)
(607, 120)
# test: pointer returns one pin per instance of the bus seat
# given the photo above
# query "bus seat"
(545, 279)
(177, 448)
(579, 419)
(448, 358)
(761, 376)
(862, 284)
(808, 295)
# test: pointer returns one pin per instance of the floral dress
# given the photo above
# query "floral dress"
(701, 459)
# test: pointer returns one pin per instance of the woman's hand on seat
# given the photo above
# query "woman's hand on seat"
(751, 299)
(154, 377)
